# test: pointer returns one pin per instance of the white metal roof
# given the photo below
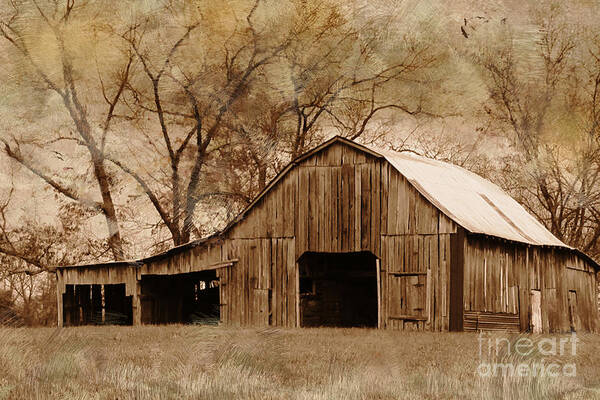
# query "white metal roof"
(471, 201)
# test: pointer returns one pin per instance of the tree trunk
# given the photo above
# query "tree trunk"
(262, 177)
(108, 207)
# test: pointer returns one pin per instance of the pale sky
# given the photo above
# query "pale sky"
(22, 113)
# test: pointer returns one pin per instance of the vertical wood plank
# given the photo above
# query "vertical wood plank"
(291, 284)
(59, 298)
(378, 267)
(457, 266)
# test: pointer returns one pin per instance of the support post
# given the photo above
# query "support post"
(85, 302)
(428, 294)
(96, 312)
(136, 304)
(457, 266)
(77, 309)
(69, 305)
(379, 313)
(59, 298)
(297, 297)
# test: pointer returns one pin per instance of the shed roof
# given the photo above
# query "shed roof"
(475, 203)
(471, 201)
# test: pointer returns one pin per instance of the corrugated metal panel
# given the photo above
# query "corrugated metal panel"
(486, 321)
(470, 200)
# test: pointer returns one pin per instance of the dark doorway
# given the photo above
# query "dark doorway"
(97, 305)
(117, 305)
(338, 289)
(191, 298)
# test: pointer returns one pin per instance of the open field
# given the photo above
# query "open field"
(173, 362)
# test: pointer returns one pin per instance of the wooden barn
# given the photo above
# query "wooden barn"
(352, 236)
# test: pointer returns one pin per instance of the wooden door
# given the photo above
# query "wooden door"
(408, 300)
(261, 307)
(536, 311)
(573, 316)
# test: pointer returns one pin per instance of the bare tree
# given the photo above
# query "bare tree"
(335, 76)
(553, 170)
(29, 252)
(190, 89)
(36, 247)
(62, 77)
(354, 73)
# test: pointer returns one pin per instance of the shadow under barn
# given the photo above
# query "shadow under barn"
(338, 289)
(181, 298)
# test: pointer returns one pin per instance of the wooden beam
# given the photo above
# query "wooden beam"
(96, 304)
(379, 314)
(297, 296)
(428, 300)
(411, 273)
(147, 269)
(59, 299)
(69, 305)
(136, 304)
(457, 266)
(408, 317)
(580, 270)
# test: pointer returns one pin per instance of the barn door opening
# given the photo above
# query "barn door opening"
(536, 311)
(96, 305)
(191, 298)
(338, 289)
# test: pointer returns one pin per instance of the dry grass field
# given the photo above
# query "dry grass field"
(181, 362)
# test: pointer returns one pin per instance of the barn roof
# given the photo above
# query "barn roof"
(471, 201)
(474, 203)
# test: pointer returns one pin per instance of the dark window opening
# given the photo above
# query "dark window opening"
(338, 289)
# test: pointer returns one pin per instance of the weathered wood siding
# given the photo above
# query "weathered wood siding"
(341, 200)
(261, 287)
(329, 202)
(499, 277)
(415, 257)
(339, 210)
(92, 275)
(344, 200)
(337, 200)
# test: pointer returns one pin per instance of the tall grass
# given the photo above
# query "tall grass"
(192, 362)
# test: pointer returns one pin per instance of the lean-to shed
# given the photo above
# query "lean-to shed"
(348, 235)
